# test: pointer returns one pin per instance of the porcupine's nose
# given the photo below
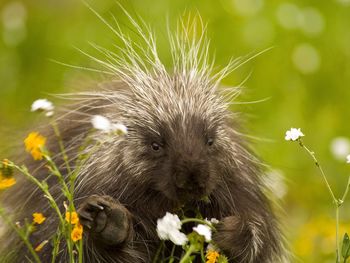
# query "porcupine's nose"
(190, 168)
(190, 179)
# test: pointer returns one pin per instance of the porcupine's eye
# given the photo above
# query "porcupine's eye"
(210, 141)
(155, 146)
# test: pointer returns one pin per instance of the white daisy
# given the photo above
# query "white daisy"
(101, 123)
(214, 221)
(293, 134)
(168, 228)
(119, 129)
(204, 230)
(43, 105)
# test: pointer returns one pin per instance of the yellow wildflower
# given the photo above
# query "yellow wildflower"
(41, 245)
(38, 218)
(77, 232)
(6, 182)
(34, 142)
(72, 218)
(212, 256)
(6, 173)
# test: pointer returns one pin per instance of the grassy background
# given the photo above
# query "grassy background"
(305, 78)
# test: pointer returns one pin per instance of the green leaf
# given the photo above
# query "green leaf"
(222, 259)
(345, 250)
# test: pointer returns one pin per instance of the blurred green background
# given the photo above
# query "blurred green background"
(305, 78)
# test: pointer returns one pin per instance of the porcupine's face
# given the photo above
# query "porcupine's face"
(181, 154)
(182, 158)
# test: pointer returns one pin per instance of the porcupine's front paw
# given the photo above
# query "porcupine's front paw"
(234, 238)
(106, 220)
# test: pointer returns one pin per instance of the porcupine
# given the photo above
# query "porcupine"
(183, 144)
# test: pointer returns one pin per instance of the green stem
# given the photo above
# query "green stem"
(52, 201)
(21, 235)
(56, 245)
(336, 202)
(48, 195)
(171, 260)
(188, 254)
(346, 190)
(202, 255)
(80, 251)
(69, 242)
(81, 161)
(66, 191)
(155, 259)
(69, 192)
(62, 148)
(337, 232)
(61, 180)
(312, 154)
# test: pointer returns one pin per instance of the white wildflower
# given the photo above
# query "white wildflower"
(177, 237)
(348, 158)
(119, 129)
(168, 228)
(101, 123)
(49, 114)
(169, 221)
(293, 134)
(43, 105)
(203, 230)
(214, 221)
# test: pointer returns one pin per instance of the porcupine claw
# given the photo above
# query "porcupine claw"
(105, 219)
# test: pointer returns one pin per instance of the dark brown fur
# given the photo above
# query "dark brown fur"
(177, 176)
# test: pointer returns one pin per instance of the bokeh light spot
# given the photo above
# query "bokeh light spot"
(312, 21)
(259, 33)
(306, 58)
(344, 2)
(13, 17)
(248, 7)
(288, 16)
(340, 148)
(274, 180)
